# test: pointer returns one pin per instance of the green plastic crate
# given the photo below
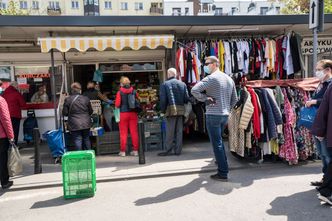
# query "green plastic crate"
(79, 174)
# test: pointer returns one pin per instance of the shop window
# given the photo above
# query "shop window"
(5, 75)
(108, 5)
(124, 5)
(138, 6)
(34, 83)
(278, 10)
(176, 11)
(234, 10)
(74, 4)
(218, 11)
(35, 5)
(23, 5)
(186, 11)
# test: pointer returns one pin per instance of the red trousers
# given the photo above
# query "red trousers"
(128, 120)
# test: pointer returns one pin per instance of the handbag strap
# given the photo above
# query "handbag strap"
(71, 105)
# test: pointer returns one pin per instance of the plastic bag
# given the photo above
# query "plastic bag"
(117, 115)
(307, 117)
(55, 142)
(98, 76)
(15, 165)
(187, 110)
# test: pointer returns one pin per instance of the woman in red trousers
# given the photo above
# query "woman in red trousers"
(128, 117)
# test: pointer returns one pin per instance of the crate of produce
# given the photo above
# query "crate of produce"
(79, 174)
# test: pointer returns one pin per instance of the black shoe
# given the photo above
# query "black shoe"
(219, 177)
(163, 154)
(325, 199)
(8, 185)
(317, 183)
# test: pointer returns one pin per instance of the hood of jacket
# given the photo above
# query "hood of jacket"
(126, 90)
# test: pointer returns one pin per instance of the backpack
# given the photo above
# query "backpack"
(133, 103)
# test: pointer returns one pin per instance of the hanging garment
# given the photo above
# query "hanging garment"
(221, 54)
(180, 62)
(289, 59)
(228, 58)
(295, 53)
(256, 114)
(235, 64)
(245, 46)
(236, 135)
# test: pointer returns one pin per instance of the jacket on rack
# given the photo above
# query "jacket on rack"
(15, 102)
(173, 97)
(78, 112)
(247, 111)
(256, 114)
(322, 126)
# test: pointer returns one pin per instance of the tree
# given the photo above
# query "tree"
(301, 6)
(12, 9)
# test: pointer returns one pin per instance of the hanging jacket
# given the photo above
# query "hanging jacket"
(256, 114)
(15, 102)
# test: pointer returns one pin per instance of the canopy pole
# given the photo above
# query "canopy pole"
(53, 87)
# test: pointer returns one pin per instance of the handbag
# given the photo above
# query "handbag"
(307, 117)
(117, 115)
(15, 165)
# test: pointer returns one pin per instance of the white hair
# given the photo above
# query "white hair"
(171, 72)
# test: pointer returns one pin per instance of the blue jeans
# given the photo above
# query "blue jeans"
(324, 153)
(215, 125)
(81, 139)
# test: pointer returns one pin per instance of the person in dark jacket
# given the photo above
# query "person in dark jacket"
(94, 94)
(15, 103)
(128, 117)
(78, 109)
(323, 72)
(173, 97)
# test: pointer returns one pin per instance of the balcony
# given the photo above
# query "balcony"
(53, 11)
(156, 11)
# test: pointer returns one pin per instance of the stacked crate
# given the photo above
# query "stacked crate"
(108, 143)
(153, 135)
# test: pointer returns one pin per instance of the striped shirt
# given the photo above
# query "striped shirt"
(219, 86)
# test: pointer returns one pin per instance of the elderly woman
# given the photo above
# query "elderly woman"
(323, 72)
(78, 109)
(128, 117)
(6, 136)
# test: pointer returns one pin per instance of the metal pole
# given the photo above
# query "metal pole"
(141, 154)
(36, 138)
(314, 53)
(53, 88)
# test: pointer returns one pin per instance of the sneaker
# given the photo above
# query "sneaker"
(219, 177)
(134, 153)
(8, 185)
(122, 154)
(325, 199)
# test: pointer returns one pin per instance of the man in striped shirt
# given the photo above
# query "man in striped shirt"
(218, 92)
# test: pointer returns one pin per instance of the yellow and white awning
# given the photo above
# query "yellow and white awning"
(118, 43)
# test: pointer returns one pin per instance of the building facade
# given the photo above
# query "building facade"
(88, 7)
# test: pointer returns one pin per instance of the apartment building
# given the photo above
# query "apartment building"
(221, 7)
(88, 7)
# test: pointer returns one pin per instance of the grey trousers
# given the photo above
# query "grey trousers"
(174, 134)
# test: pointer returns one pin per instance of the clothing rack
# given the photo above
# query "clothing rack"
(306, 84)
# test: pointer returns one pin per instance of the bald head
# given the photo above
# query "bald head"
(171, 73)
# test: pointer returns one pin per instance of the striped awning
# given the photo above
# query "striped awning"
(118, 43)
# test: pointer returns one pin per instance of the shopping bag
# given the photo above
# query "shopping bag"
(98, 76)
(307, 117)
(55, 142)
(15, 165)
(187, 111)
(117, 115)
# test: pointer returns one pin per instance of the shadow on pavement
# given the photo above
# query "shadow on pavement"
(59, 201)
(237, 180)
(291, 207)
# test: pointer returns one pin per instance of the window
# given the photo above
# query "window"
(23, 5)
(108, 5)
(74, 5)
(124, 5)
(176, 11)
(234, 9)
(218, 11)
(264, 10)
(186, 11)
(35, 4)
(3, 5)
(138, 5)
(278, 10)
(54, 5)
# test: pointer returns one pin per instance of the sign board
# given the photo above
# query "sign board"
(314, 14)
(324, 45)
